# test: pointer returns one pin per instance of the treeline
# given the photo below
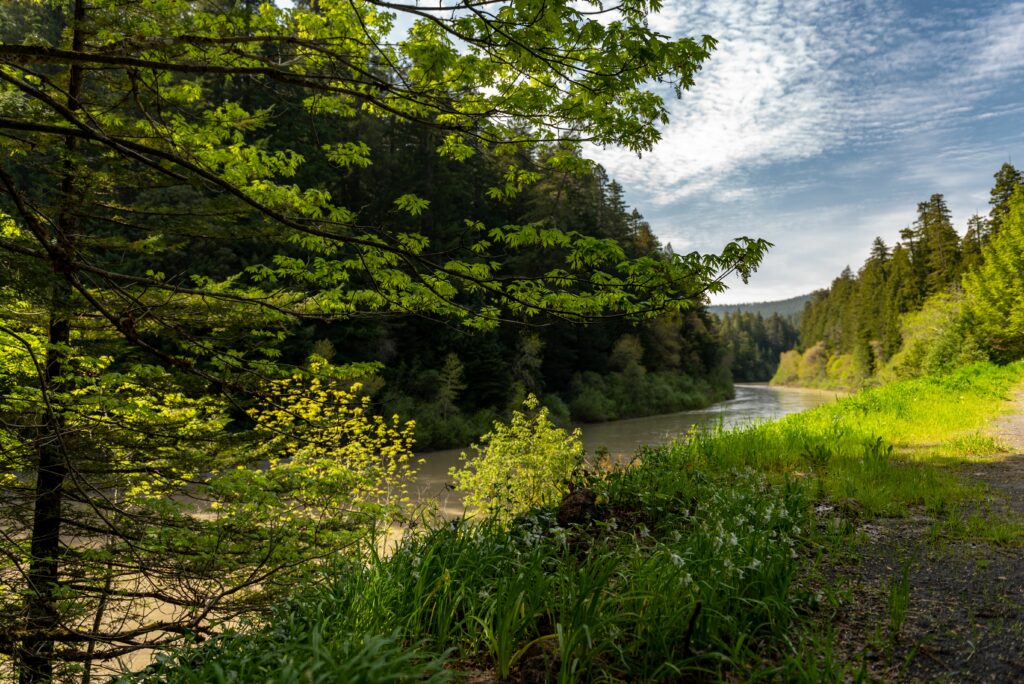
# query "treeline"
(453, 381)
(933, 301)
(753, 343)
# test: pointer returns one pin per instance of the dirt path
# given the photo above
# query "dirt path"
(964, 620)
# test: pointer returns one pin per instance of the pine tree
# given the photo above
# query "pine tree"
(938, 244)
(1008, 179)
(995, 290)
(450, 384)
(902, 294)
(975, 238)
(870, 306)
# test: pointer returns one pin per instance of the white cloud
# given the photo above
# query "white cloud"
(820, 124)
(792, 80)
(763, 97)
(1001, 41)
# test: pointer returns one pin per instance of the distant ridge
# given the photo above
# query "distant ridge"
(789, 308)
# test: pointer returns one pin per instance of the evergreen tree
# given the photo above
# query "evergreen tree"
(901, 295)
(1008, 179)
(754, 344)
(449, 386)
(995, 290)
(870, 305)
(974, 239)
(938, 244)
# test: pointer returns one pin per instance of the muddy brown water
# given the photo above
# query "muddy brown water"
(752, 403)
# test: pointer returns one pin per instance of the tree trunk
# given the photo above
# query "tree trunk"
(41, 615)
(42, 619)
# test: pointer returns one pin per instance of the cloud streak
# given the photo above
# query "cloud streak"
(810, 106)
(792, 80)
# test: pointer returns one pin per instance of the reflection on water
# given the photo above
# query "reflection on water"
(623, 437)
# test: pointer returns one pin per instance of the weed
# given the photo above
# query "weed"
(899, 601)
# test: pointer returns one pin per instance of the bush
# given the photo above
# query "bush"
(817, 368)
(519, 465)
(936, 339)
(788, 372)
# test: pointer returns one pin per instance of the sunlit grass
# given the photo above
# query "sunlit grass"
(883, 449)
(688, 573)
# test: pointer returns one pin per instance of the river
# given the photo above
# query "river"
(753, 402)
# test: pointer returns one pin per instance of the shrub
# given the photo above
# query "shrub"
(936, 339)
(519, 465)
(788, 372)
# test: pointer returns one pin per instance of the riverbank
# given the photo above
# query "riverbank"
(633, 392)
(719, 557)
(620, 439)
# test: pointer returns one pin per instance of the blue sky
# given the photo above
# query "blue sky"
(819, 124)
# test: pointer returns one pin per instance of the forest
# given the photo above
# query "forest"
(257, 257)
(253, 256)
(931, 302)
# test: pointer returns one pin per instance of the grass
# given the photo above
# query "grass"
(688, 570)
(898, 601)
(883, 449)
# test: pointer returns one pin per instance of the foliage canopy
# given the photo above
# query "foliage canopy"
(142, 375)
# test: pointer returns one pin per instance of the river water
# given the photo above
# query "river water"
(753, 402)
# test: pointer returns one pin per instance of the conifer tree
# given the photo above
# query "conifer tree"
(450, 385)
(974, 239)
(870, 307)
(1007, 180)
(938, 244)
(901, 295)
(995, 290)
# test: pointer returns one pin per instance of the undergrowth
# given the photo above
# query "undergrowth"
(685, 566)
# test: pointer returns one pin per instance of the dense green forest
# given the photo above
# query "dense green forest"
(789, 308)
(452, 380)
(253, 256)
(933, 301)
(753, 343)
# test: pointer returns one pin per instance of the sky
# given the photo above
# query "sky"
(820, 124)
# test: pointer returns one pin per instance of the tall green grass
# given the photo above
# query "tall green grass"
(881, 450)
(688, 572)
(687, 575)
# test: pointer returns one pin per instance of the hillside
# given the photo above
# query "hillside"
(791, 307)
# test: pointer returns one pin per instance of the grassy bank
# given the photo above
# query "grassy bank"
(691, 564)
